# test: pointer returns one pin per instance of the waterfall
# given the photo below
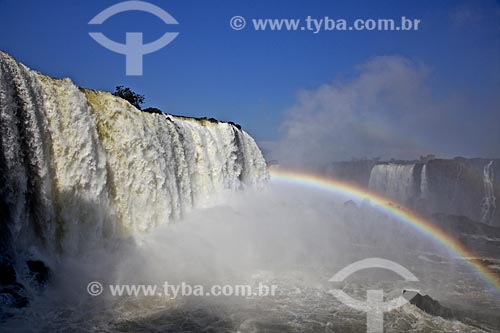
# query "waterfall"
(80, 166)
(424, 185)
(393, 181)
(488, 203)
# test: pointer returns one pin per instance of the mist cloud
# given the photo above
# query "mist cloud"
(388, 110)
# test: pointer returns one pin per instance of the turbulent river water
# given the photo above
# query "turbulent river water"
(281, 235)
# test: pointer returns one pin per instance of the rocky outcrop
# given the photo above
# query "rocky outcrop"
(428, 305)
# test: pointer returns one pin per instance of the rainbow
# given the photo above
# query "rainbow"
(400, 214)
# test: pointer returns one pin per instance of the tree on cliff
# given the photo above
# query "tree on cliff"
(132, 97)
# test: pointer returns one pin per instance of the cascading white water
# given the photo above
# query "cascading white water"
(488, 203)
(80, 166)
(394, 181)
(424, 185)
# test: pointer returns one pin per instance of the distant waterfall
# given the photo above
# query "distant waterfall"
(488, 204)
(424, 184)
(393, 181)
(79, 166)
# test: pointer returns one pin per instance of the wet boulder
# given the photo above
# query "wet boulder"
(39, 272)
(428, 304)
(8, 275)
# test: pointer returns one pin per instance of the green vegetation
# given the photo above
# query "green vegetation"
(132, 97)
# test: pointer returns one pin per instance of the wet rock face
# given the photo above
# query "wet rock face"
(456, 187)
(12, 293)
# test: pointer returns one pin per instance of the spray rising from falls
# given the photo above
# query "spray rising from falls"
(79, 166)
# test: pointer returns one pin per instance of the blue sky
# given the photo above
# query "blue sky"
(251, 77)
